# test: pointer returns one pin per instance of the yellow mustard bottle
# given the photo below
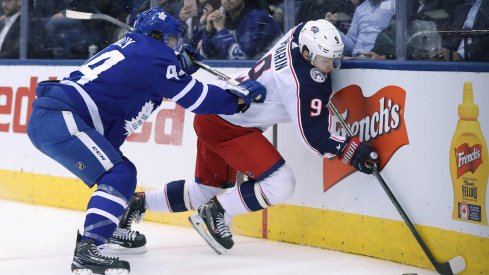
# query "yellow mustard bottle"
(469, 166)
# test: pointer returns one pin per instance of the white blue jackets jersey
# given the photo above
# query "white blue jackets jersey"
(117, 89)
(297, 92)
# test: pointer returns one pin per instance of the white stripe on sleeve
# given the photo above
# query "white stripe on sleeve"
(185, 90)
(200, 100)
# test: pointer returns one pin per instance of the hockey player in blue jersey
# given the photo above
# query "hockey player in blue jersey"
(82, 121)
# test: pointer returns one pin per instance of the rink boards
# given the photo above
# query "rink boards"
(411, 117)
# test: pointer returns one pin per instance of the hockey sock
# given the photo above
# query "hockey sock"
(252, 196)
(178, 196)
(107, 204)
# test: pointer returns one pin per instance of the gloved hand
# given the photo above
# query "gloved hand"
(186, 57)
(249, 91)
(359, 155)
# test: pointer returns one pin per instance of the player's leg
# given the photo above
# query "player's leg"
(183, 195)
(88, 155)
(175, 196)
(247, 150)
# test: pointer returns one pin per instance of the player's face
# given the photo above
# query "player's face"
(232, 5)
(326, 65)
(173, 42)
(10, 7)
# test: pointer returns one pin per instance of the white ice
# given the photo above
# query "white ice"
(40, 241)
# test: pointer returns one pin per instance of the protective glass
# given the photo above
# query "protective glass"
(174, 42)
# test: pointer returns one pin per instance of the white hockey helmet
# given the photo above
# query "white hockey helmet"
(321, 38)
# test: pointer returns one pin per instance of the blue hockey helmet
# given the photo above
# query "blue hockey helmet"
(157, 21)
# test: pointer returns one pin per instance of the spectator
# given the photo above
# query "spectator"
(370, 18)
(196, 19)
(338, 12)
(173, 7)
(319, 9)
(241, 30)
(71, 38)
(10, 29)
(277, 11)
(472, 15)
(40, 42)
(424, 43)
(425, 18)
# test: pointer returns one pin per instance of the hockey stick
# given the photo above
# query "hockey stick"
(217, 73)
(453, 266)
(89, 16)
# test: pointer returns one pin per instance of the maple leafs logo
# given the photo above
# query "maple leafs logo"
(162, 16)
(136, 122)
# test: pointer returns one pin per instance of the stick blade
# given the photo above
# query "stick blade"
(457, 264)
(77, 15)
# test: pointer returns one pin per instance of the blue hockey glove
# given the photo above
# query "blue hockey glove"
(249, 91)
(186, 57)
(359, 155)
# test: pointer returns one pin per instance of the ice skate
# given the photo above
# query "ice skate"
(134, 211)
(124, 240)
(88, 260)
(209, 223)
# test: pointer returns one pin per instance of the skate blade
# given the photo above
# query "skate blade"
(85, 271)
(116, 272)
(199, 225)
(111, 249)
(82, 272)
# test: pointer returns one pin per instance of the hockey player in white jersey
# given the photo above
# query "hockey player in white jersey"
(296, 73)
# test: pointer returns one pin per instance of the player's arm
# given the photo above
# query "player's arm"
(202, 98)
(313, 125)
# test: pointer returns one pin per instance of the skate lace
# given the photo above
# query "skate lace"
(125, 234)
(135, 217)
(222, 228)
(95, 252)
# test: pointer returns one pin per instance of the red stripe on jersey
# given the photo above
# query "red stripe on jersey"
(242, 199)
(264, 196)
(333, 136)
(166, 197)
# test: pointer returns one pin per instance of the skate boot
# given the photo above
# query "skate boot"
(215, 232)
(134, 211)
(124, 240)
(88, 260)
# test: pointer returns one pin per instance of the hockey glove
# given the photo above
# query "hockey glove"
(249, 91)
(186, 57)
(359, 155)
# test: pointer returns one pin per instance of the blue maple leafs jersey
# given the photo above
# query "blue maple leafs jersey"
(116, 90)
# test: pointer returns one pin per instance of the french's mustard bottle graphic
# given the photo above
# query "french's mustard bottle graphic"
(469, 165)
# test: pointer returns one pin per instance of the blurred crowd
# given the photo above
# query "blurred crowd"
(437, 30)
